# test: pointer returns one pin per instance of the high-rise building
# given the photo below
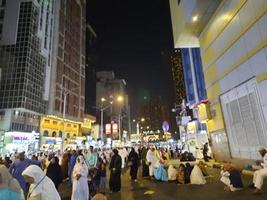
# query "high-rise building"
(177, 76)
(65, 117)
(26, 33)
(155, 113)
(193, 76)
(174, 66)
(232, 38)
(90, 71)
(68, 73)
(108, 89)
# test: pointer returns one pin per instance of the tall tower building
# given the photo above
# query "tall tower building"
(68, 73)
(90, 71)
(110, 88)
(26, 32)
(174, 66)
(193, 75)
(65, 117)
(177, 76)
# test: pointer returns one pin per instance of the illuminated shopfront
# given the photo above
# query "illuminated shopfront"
(75, 133)
(20, 141)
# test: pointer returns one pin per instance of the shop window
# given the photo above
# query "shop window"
(54, 134)
(68, 135)
(45, 134)
(60, 133)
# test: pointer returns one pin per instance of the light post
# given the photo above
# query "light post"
(65, 93)
(119, 99)
(138, 124)
(102, 109)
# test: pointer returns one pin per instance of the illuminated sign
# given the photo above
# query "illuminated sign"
(165, 126)
(115, 128)
(108, 129)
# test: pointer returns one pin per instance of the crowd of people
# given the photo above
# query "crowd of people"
(85, 171)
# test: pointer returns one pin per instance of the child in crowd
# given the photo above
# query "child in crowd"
(103, 175)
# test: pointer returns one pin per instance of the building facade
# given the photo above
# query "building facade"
(193, 75)
(26, 33)
(116, 113)
(64, 117)
(68, 74)
(233, 49)
(155, 112)
(90, 70)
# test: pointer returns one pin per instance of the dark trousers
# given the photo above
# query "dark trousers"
(133, 172)
(115, 181)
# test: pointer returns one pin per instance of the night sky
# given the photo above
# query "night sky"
(131, 35)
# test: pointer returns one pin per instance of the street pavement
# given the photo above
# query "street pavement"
(154, 190)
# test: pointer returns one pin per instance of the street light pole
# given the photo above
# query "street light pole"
(119, 125)
(64, 115)
(65, 93)
(102, 125)
(137, 128)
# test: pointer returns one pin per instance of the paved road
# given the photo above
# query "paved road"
(213, 190)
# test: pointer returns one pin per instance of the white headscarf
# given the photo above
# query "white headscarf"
(42, 184)
(8, 181)
(80, 167)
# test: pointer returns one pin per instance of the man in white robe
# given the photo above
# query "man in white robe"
(123, 154)
(260, 174)
(80, 190)
(152, 160)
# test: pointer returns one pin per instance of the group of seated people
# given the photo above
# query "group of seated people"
(230, 175)
(183, 174)
(187, 156)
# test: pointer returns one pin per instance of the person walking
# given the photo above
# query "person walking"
(145, 169)
(72, 162)
(41, 186)
(9, 186)
(80, 190)
(205, 152)
(115, 172)
(18, 166)
(54, 172)
(133, 159)
(91, 158)
(103, 175)
(65, 165)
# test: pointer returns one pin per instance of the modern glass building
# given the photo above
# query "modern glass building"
(193, 75)
(25, 50)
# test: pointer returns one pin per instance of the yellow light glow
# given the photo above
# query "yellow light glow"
(103, 99)
(226, 17)
(195, 18)
(120, 98)
(142, 119)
